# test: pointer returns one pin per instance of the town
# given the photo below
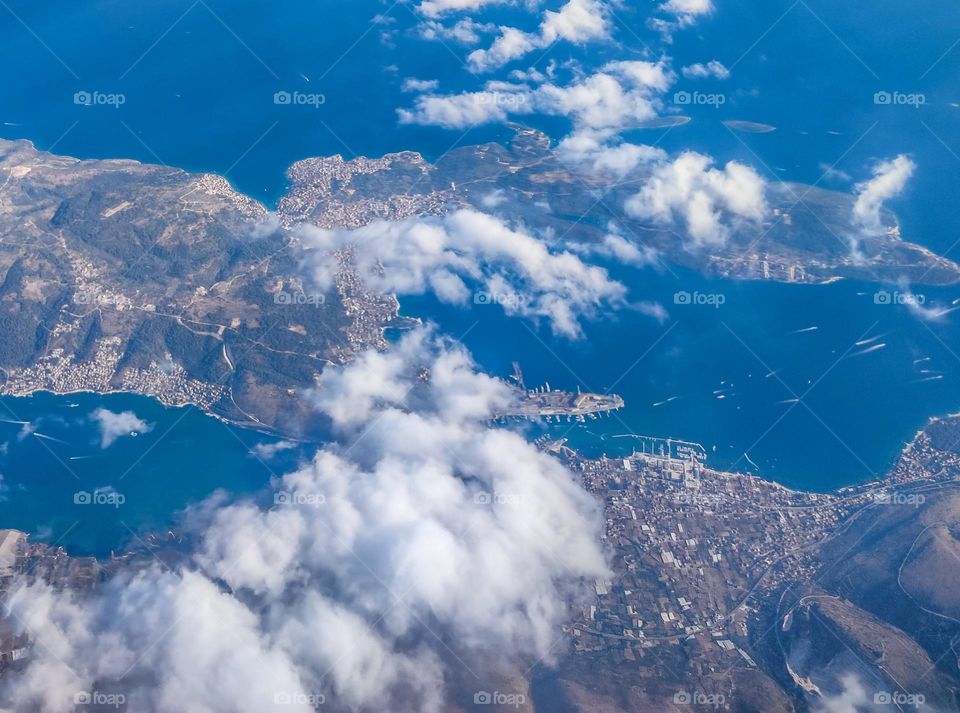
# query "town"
(697, 552)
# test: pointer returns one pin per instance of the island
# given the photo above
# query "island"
(122, 276)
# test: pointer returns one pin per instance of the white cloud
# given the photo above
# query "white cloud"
(625, 251)
(621, 95)
(680, 14)
(852, 699)
(436, 537)
(577, 21)
(113, 425)
(463, 110)
(411, 84)
(889, 179)
(706, 200)
(594, 151)
(831, 173)
(493, 199)
(687, 7)
(266, 451)
(435, 8)
(465, 31)
(534, 75)
(713, 68)
(467, 255)
(919, 306)
(510, 45)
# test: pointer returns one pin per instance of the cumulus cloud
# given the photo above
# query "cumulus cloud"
(471, 256)
(619, 96)
(534, 75)
(679, 14)
(713, 68)
(465, 31)
(918, 305)
(687, 7)
(599, 155)
(435, 8)
(851, 699)
(706, 200)
(466, 109)
(266, 451)
(832, 173)
(511, 44)
(624, 251)
(577, 21)
(417, 539)
(412, 84)
(889, 179)
(113, 425)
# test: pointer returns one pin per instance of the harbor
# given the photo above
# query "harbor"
(544, 402)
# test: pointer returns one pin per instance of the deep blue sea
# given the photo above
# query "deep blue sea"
(728, 377)
(198, 79)
(62, 485)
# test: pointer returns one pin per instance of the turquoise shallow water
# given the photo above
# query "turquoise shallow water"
(198, 81)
